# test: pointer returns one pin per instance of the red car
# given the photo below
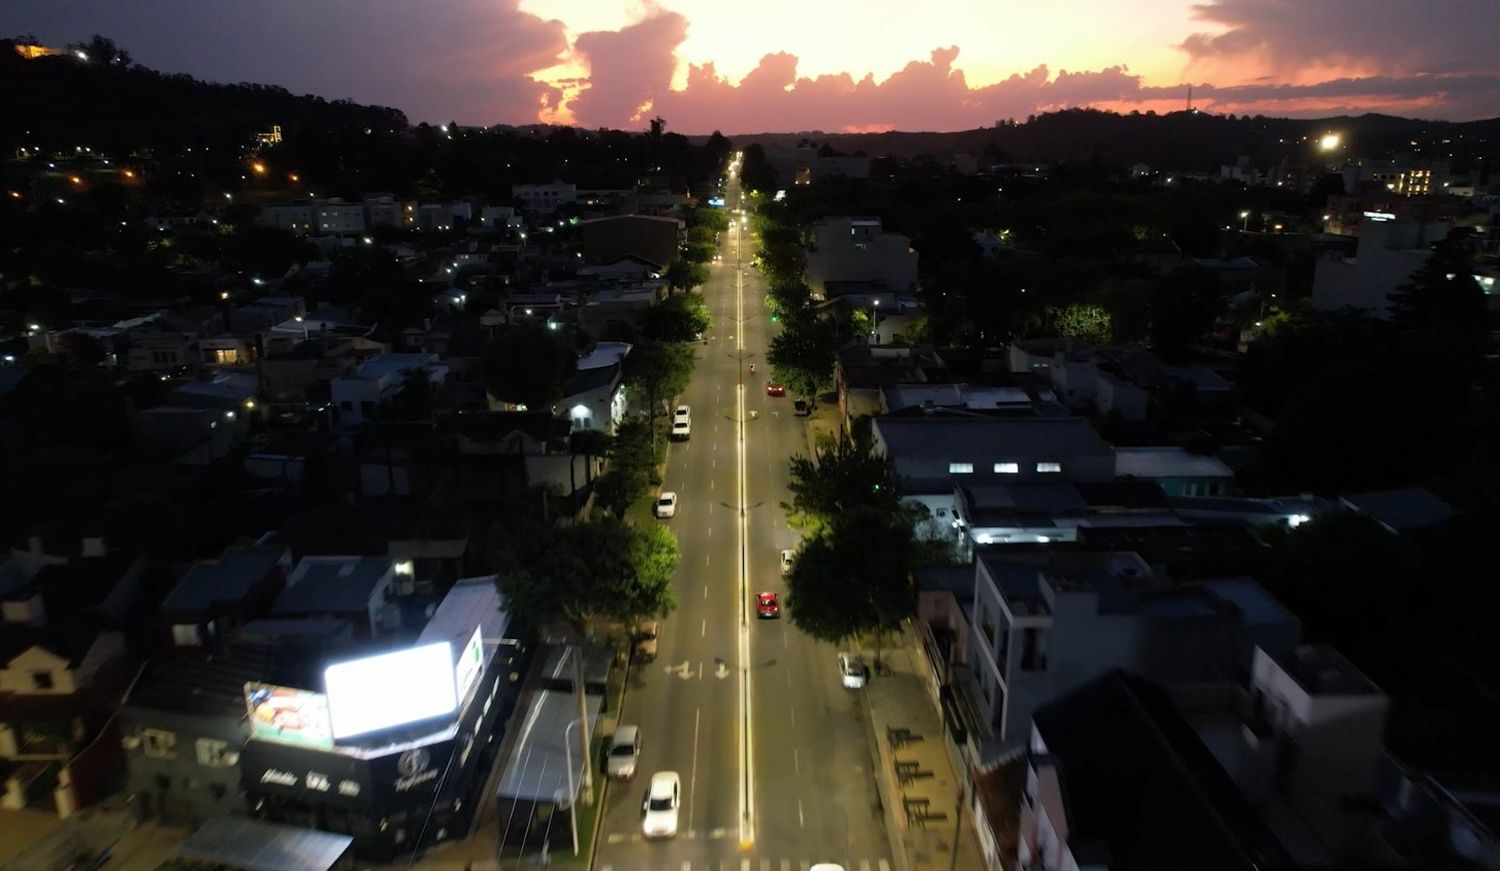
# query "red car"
(766, 606)
(774, 389)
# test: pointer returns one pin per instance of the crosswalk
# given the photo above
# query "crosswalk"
(748, 864)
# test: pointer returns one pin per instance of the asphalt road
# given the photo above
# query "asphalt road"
(726, 687)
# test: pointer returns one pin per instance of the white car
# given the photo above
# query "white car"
(666, 504)
(826, 866)
(624, 752)
(852, 671)
(659, 810)
(681, 429)
(786, 561)
(683, 412)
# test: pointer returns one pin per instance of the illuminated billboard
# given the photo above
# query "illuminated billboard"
(470, 664)
(391, 689)
(288, 715)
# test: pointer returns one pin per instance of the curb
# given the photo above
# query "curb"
(604, 790)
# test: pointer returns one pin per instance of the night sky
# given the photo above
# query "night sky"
(834, 65)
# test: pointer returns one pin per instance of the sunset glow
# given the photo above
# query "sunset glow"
(835, 65)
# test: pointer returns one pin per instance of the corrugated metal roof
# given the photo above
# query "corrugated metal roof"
(253, 845)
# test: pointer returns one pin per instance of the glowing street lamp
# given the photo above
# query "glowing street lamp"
(1244, 220)
(1329, 142)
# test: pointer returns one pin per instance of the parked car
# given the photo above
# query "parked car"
(801, 408)
(645, 641)
(624, 752)
(659, 809)
(666, 504)
(786, 561)
(681, 429)
(774, 389)
(683, 412)
(852, 671)
(767, 607)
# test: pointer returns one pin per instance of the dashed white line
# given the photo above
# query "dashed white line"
(796, 761)
(703, 633)
(800, 821)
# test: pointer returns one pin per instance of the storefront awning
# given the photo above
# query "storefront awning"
(252, 845)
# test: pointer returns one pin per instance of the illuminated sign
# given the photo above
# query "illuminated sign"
(391, 689)
(470, 664)
(290, 716)
(1380, 216)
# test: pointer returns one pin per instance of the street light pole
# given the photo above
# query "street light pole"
(572, 790)
(958, 827)
(1245, 221)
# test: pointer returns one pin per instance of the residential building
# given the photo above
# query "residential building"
(293, 217)
(1044, 512)
(1116, 780)
(544, 199)
(360, 393)
(595, 398)
(338, 218)
(863, 370)
(802, 164)
(361, 590)
(63, 662)
(183, 726)
(160, 351)
(537, 439)
(649, 238)
(1178, 471)
(1410, 510)
(1045, 623)
(933, 453)
(231, 392)
(218, 595)
(858, 249)
(1303, 744)
(1389, 252)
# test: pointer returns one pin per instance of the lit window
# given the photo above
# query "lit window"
(1049, 467)
(1007, 468)
(960, 468)
(159, 743)
(211, 753)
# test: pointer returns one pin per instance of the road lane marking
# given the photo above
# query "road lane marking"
(796, 761)
(703, 633)
(700, 669)
(800, 821)
(687, 865)
(693, 775)
(705, 591)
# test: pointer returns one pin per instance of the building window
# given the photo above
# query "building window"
(1007, 468)
(960, 468)
(211, 753)
(41, 680)
(159, 743)
(1049, 467)
(226, 355)
(186, 635)
(1033, 650)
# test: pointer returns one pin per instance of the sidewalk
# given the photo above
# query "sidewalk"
(922, 837)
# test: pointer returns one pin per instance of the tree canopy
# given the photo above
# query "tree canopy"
(585, 573)
(802, 355)
(855, 577)
(528, 365)
(679, 318)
